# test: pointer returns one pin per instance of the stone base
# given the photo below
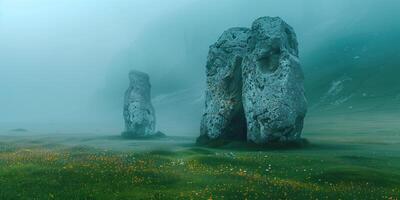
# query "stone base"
(204, 140)
(130, 135)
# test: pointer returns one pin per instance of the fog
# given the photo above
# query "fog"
(64, 64)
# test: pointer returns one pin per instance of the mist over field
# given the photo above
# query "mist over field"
(74, 126)
(64, 64)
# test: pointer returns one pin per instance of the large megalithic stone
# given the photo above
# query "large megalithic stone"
(273, 91)
(138, 111)
(224, 116)
(254, 85)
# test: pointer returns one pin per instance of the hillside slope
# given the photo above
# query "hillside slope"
(353, 84)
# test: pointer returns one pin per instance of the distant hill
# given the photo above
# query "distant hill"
(353, 85)
(354, 73)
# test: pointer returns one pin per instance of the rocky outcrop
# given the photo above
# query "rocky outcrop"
(139, 112)
(224, 116)
(273, 93)
(255, 85)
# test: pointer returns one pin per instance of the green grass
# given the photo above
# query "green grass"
(34, 171)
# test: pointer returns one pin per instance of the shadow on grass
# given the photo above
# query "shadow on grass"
(248, 146)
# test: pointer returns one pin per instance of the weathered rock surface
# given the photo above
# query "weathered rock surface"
(139, 112)
(255, 85)
(273, 93)
(224, 117)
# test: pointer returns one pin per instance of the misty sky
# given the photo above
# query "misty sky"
(64, 63)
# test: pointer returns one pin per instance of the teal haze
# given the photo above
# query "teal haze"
(64, 64)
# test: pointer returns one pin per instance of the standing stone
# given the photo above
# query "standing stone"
(273, 93)
(224, 116)
(254, 85)
(138, 111)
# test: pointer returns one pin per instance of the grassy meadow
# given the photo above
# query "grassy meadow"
(362, 165)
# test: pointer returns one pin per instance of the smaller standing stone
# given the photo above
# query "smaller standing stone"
(139, 112)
